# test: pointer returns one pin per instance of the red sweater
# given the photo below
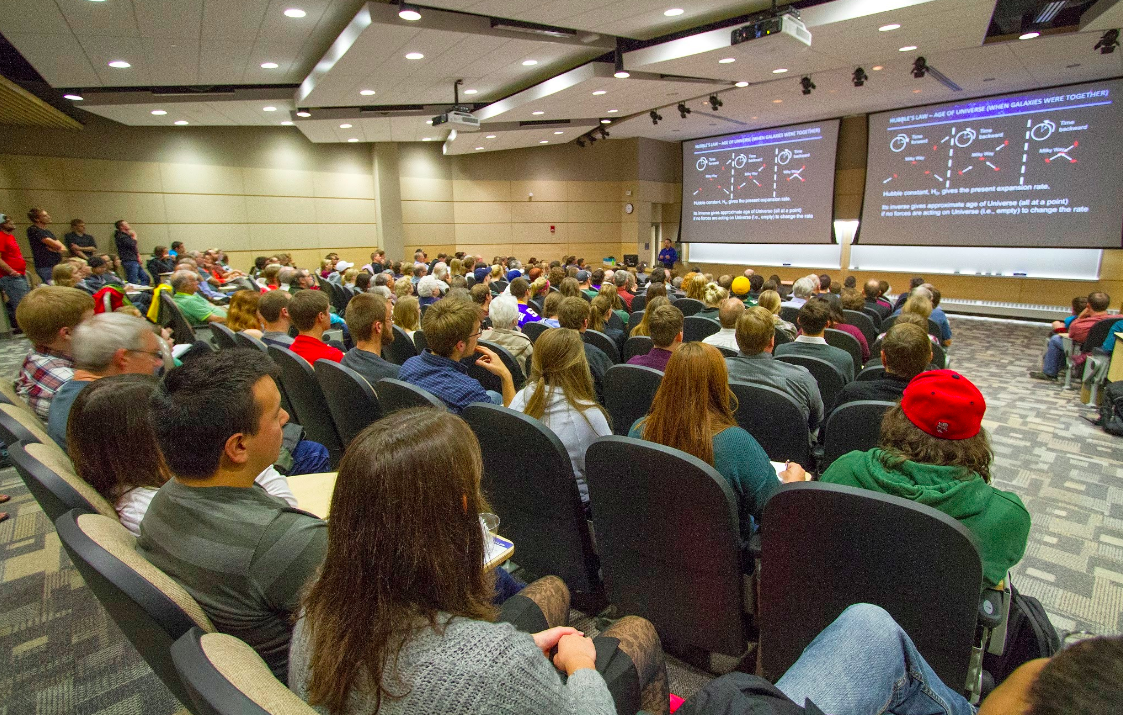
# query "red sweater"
(312, 350)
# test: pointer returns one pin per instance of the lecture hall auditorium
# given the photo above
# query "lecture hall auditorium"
(631, 356)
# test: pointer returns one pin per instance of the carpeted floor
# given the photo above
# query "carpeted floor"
(60, 653)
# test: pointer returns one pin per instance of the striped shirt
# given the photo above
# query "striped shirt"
(242, 554)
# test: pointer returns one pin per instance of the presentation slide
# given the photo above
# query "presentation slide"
(768, 186)
(1030, 169)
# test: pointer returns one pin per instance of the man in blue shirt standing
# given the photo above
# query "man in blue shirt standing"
(452, 327)
(668, 256)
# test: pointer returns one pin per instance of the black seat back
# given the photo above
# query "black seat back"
(223, 336)
(697, 329)
(605, 343)
(1098, 334)
(350, 399)
(934, 330)
(639, 302)
(853, 426)
(242, 340)
(628, 392)
(688, 306)
(539, 508)
(307, 400)
(683, 573)
(845, 341)
(829, 379)
(939, 356)
(862, 322)
(172, 317)
(401, 349)
(782, 337)
(534, 329)
(615, 321)
(888, 323)
(775, 420)
(826, 547)
(509, 361)
(872, 372)
(789, 313)
(419, 341)
(873, 315)
(637, 345)
(394, 395)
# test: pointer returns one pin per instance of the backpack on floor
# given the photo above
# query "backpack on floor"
(1111, 409)
(1029, 635)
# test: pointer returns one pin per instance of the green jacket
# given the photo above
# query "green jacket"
(998, 519)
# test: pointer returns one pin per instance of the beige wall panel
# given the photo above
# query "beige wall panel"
(415, 188)
(270, 238)
(343, 186)
(201, 179)
(109, 207)
(345, 210)
(487, 250)
(541, 251)
(594, 191)
(466, 212)
(538, 212)
(148, 236)
(426, 234)
(594, 253)
(432, 249)
(539, 233)
(105, 175)
(199, 237)
(57, 203)
(344, 235)
(483, 233)
(277, 182)
(280, 209)
(658, 192)
(595, 212)
(32, 172)
(543, 190)
(466, 190)
(202, 208)
(592, 232)
(427, 212)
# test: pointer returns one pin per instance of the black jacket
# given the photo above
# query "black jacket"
(743, 694)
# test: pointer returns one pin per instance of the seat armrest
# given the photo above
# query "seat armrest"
(991, 611)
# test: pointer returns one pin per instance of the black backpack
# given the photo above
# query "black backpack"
(1111, 409)
(1029, 635)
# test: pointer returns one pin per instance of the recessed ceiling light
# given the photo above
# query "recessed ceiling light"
(415, 56)
(286, 123)
(673, 12)
(777, 101)
(97, 0)
(603, 121)
(479, 148)
(877, 68)
(752, 117)
(727, 60)
(429, 122)
(907, 48)
(559, 132)
(159, 112)
(366, 92)
(268, 109)
(613, 111)
(295, 12)
(471, 91)
(74, 97)
(622, 74)
(780, 70)
(890, 26)
(544, 141)
(538, 113)
(181, 123)
(119, 64)
(529, 63)
(741, 84)
(269, 65)
(599, 92)
(304, 114)
(490, 136)
(426, 139)
(352, 140)
(408, 12)
(344, 126)
(1029, 35)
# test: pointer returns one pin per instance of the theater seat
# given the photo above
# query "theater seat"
(853, 426)
(628, 393)
(51, 479)
(306, 397)
(394, 395)
(350, 399)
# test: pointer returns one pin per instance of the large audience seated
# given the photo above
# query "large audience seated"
(394, 607)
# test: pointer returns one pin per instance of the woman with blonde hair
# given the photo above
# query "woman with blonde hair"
(610, 292)
(695, 286)
(770, 301)
(64, 274)
(402, 289)
(570, 288)
(242, 315)
(696, 375)
(456, 267)
(600, 311)
(920, 305)
(643, 329)
(407, 314)
(560, 394)
(349, 276)
(712, 296)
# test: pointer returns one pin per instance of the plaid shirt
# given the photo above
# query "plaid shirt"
(446, 379)
(41, 375)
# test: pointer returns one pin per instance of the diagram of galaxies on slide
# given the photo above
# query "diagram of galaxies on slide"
(775, 172)
(982, 153)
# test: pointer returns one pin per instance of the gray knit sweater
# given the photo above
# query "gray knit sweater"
(472, 667)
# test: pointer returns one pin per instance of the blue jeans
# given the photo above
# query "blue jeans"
(44, 273)
(133, 273)
(865, 663)
(1054, 356)
(15, 287)
(309, 458)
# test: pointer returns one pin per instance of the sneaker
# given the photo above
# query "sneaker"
(1038, 375)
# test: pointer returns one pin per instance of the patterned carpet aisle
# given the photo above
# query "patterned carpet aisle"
(59, 652)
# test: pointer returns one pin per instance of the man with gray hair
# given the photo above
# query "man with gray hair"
(195, 307)
(802, 291)
(106, 344)
(504, 330)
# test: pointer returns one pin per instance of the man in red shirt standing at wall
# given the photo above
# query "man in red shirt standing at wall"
(12, 281)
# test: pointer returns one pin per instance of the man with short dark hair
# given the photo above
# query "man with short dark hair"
(665, 323)
(595, 281)
(310, 312)
(274, 310)
(1078, 330)
(812, 320)
(100, 275)
(520, 290)
(244, 555)
(573, 313)
(914, 283)
(371, 322)
(125, 239)
(584, 279)
(756, 338)
(906, 352)
(452, 330)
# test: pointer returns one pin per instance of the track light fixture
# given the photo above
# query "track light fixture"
(1108, 42)
(655, 116)
(807, 85)
(859, 77)
(592, 139)
(408, 12)
(715, 102)
(580, 142)
(683, 110)
(604, 133)
(919, 68)
(620, 72)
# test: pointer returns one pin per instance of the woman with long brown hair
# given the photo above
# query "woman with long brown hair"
(560, 394)
(610, 292)
(242, 315)
(400, 619)
(600, 312)
(644, 326)
(693, 412)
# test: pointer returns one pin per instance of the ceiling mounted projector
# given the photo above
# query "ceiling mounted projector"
(787, 25)
(465, 121)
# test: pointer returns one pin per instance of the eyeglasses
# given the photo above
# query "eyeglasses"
(157, 354)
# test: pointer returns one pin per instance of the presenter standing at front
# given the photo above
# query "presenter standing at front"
(668, 256)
